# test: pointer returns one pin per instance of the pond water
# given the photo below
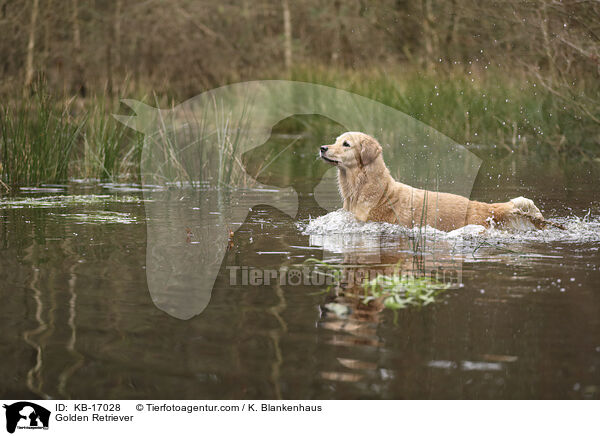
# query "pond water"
(521, 321)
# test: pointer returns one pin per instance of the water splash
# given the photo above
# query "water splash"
(342, 224)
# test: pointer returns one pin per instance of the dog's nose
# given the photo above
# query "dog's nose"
(324, 148)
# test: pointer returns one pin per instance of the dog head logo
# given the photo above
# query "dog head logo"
(206, 162)
(26, 415)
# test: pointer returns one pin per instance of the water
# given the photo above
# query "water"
(78, 320)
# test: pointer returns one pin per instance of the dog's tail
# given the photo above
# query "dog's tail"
(526, 207)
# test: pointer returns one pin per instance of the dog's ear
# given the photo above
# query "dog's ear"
(369, 150)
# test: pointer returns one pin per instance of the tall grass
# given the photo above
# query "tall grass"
(102, 142)
(37, 139)
(107, 150)
(47, 140)
(480, 108)
(195, 146)
(43, 140)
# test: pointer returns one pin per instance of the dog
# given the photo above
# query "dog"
(370, 193)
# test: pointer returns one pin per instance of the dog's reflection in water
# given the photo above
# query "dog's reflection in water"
(288, 158)
(353, 323)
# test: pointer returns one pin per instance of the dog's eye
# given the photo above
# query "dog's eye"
(345, 144)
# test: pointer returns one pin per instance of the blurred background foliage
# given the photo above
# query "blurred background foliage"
(507, 75)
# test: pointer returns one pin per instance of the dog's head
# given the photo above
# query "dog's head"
(351, 150)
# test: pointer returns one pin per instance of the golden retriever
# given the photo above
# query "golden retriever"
(371, 194)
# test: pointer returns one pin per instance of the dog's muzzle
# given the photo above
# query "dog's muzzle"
(324, 149)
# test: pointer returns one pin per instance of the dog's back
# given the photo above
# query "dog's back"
(417, 207)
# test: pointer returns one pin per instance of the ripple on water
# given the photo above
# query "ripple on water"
(64, 201)
(69, 207)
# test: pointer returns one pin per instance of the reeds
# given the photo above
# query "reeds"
(196, 147)
(46, 140)
(480, 108)
(37, 139)
(105, 149)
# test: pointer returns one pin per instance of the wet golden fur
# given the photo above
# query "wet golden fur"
(371, 194)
